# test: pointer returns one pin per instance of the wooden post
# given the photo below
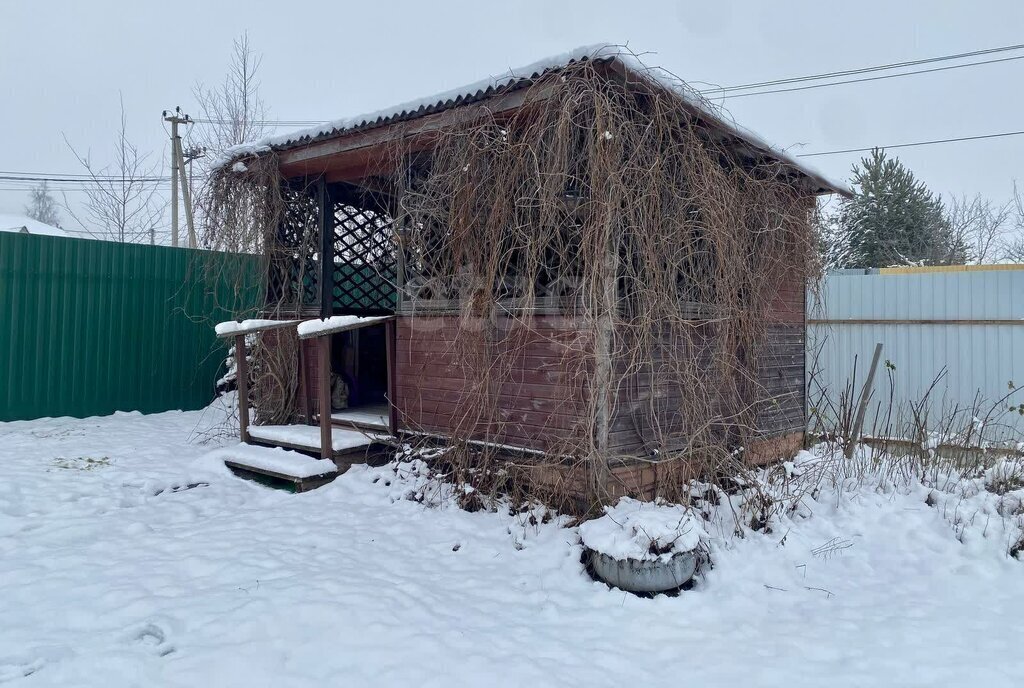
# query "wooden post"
(399, 269)
(326, 226)
(390, 343)
(307, 413)
(862, 406)
(326, 447)
(242, 375)
(325, 217)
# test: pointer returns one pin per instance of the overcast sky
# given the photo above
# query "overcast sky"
(63, 63)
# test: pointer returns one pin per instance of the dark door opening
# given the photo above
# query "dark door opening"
(359, 380)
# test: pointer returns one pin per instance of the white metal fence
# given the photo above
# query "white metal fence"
(969, 322)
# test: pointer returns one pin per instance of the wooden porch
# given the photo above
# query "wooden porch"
(341, 436)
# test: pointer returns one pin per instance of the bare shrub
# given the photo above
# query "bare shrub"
(927, 439)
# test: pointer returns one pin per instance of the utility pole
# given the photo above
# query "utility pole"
(178, 173)
(186, 184)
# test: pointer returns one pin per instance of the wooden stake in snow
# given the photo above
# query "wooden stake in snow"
(862, 405)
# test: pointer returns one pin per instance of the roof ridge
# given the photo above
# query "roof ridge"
(484, 87)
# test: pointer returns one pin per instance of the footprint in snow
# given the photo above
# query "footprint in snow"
(152, 637)
(11, 668)
(21, 666)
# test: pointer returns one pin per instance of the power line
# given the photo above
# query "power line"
(70, 180)
(84, 179)
(14, 186)
(22, 189)
(265, 122)
(65, 181)
(50, 175)
(863, 70)
(731, 91)
(873, 78)
(915, 143)
(164, 180)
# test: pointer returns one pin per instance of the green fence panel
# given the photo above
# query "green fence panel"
(92, 327)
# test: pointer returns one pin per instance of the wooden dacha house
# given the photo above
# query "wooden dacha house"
(580, 265)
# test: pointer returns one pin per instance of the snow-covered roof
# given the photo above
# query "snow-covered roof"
(26, 225)
(522, 76)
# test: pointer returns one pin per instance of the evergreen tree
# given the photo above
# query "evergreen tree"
(42, 207)
(893, 219)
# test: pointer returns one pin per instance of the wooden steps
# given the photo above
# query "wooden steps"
(346, 444)
(373, 419)
(307, 438)
(278, 467)
(289, 456)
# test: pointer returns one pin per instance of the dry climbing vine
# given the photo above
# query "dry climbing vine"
(658, 239)
(661, 247)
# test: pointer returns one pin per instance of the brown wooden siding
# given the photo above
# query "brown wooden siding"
(781, 367)
(780, 371)
(536, 390)
(310, 361)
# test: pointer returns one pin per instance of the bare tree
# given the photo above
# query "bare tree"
(1015, 250)
(122, 201)
(42, 206)
(980, 225)
(230, 114)
(233, 112)
(1014, 245)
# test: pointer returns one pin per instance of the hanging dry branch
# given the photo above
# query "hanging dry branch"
(661, 245)
(249, 209)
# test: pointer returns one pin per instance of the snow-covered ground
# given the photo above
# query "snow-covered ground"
(127, 560)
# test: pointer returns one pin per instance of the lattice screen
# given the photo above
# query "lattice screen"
(364, 259)
(364, 254)
(294, 266)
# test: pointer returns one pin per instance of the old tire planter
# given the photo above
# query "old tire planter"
(642, 575)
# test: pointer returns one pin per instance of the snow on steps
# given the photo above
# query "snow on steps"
(303, 471)
(307, 437)
(374, 418)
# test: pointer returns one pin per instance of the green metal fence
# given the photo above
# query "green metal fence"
(92, 327)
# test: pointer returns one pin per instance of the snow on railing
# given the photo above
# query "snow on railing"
(337, 323)
(233, 327)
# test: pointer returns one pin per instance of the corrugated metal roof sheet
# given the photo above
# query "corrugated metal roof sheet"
(464, 95)
(519, 78)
